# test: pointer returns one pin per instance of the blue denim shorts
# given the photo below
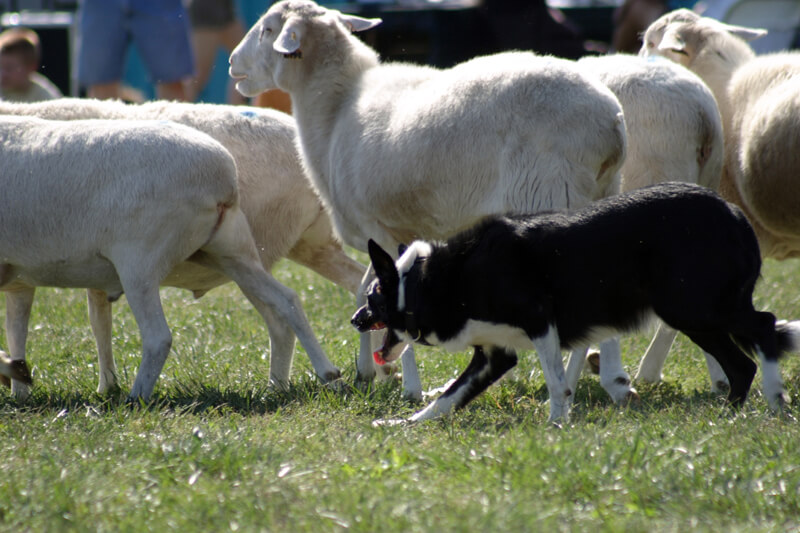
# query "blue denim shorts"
(159, 29)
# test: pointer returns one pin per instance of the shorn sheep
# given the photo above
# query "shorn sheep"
(399, 152)
(759, 100)
(121, 207)
(285, 215)
(674, 133)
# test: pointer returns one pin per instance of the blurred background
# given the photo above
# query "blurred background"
(433, 32)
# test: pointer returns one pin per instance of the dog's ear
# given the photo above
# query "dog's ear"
(383, 264)
(401, 249)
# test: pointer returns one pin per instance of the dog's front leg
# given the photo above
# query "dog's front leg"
(481, 372)
(548, 346)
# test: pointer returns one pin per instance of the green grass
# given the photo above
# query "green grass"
(219, 450)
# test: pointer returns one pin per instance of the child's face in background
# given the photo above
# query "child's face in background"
(14, 72)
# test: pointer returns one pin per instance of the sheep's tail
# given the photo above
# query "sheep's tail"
(608, 178)
(709, 161)
(788, 336)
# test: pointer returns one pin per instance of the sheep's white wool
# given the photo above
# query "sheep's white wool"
(673, 125)
(285, 215)
(116, 207)
(399, 152)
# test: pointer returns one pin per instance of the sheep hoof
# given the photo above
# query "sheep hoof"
(594, 361)
(333, 375)
(720, 387)
(111, 391)
(412, 396)
(632, 398)
(363, 382)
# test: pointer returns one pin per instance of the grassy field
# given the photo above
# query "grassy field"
(219, 450)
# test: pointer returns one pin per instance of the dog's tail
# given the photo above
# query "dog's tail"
(788, 336)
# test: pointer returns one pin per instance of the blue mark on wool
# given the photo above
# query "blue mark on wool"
(248, 113)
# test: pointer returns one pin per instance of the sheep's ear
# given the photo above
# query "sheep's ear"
(288, 41)
(356, 24)
(672, 41)
(744, 33)
(383, 264)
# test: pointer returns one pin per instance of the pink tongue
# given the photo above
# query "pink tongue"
(378, 357)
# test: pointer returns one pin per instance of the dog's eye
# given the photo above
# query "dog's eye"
(378, 289)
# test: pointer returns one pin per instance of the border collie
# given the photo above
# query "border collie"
(559, 280)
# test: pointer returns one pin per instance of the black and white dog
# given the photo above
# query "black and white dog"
(675, 250)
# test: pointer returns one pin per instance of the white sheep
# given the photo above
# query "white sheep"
(399, 152)
(759, 100)
(285, 215)
(674, 133)
(673, 125)
(122, 206)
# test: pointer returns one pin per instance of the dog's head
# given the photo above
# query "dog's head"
(386, 299)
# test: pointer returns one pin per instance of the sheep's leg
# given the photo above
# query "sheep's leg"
(719, 381)
(318, 250)
(18, 313)
(330, 262)
(577, 360)
(613, 377)
(232, 252)
(548, 347)
(281, 348)
(652, 362)
(145, 303)
(412, 386)
(100, 320)
(365, 366)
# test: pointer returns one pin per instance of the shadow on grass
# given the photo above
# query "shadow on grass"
(189, 395)
(511, 402)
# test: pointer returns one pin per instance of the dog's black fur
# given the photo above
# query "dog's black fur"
(676, 250)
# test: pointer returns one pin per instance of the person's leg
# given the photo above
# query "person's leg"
(105, 91)
(205, 43)
(631, 20)
(102, 42)
(160, 31)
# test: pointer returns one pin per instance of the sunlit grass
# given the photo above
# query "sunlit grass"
(220, 450)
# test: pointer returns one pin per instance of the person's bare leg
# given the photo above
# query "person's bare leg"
(631, 20)
(105, 91)
(174, 90)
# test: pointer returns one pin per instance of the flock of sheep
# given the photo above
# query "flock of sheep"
(194, 196)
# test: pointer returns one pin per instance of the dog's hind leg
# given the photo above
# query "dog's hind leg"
(739, 368)
(481, 372)
(548, 347)
(652, 362)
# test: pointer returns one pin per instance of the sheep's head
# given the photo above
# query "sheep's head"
(288, 32)
(683, 36)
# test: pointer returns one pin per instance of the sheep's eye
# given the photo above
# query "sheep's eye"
(266, 30)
